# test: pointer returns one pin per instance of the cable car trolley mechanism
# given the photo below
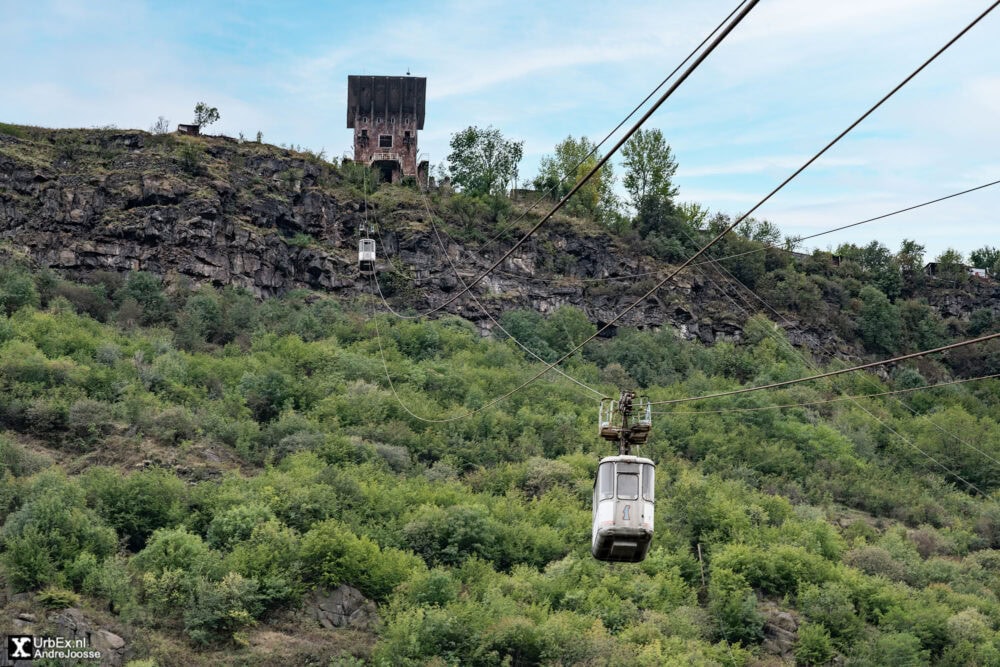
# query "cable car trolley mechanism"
(622, 528)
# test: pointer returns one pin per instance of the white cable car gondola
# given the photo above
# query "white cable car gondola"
(622, 528)
(623, 509)
(366, 256)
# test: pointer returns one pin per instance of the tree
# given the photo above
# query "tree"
(951, 266)
(17, 289)
(910, 256)
(665, 227)
(987, 258)
(880, 324)
(879, 264)
(482, 161)
(573, 159)
(649, 167)
(161, 126)
(204, 114)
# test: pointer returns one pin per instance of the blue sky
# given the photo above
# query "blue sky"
(792, 76)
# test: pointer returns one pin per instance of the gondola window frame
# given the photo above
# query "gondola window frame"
(606, 481)
(648, 490)
(631, 486)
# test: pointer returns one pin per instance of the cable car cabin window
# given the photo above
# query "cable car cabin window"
(385, 141)
(647, 482)
(628, 486)
(605, 480)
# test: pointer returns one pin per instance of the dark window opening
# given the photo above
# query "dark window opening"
(385, 141)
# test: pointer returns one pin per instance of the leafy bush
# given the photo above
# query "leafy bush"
(47, 533)
(175, 549)
(733, 605)
(236, 524)
(138, 504)
(220, 610)
(89, 420)
(333, 555)
(19, 461)
(813, 646)
(190, 158)
(17, 290)
(54, 597)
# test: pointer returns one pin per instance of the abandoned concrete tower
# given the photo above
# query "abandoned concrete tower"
(385, 113)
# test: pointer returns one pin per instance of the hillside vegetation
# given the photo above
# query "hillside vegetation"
(187, 464)
(191, 466)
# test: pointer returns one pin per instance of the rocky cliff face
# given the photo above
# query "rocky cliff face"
(271, 220)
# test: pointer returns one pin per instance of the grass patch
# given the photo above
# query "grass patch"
(13, 130)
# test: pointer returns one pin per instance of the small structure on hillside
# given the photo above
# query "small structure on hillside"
(934, 269)
(193, 130)
(385, 113)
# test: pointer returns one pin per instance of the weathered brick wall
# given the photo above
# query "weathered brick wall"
(397, 129)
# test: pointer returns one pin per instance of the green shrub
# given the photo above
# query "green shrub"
(237, 523)
(831, 604)
(333, 555)
(174, 425)
(146, 290)
(17, 290)
(18, 461)
(221, 610)
(190, 158)
(176, 549)
(897, 649)
(49, 531)
(138, 504)
(54, 597)
(270, 556)
(733, 606)
(89, 420)
(813, 646)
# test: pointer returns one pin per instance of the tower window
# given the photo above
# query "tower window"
(385, 141)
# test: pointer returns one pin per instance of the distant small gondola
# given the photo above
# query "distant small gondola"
(366, 257)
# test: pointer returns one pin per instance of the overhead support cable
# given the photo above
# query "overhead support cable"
(615, 129)
(482, 308)
(799, 239)
(838, 399)
(723, 233)
(724, 272)
(600, 163)
(841, 371)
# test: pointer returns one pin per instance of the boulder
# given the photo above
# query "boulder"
(781, 630)
(72, 624)
(343, 607)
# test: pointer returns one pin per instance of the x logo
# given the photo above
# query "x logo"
(19, 647)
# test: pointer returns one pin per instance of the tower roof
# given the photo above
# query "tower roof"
(386, 95)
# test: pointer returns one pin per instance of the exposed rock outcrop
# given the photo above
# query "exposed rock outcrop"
(272, 220)
(343, 607)
(781, 631)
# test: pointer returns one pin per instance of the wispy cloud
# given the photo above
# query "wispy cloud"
(785, 82)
